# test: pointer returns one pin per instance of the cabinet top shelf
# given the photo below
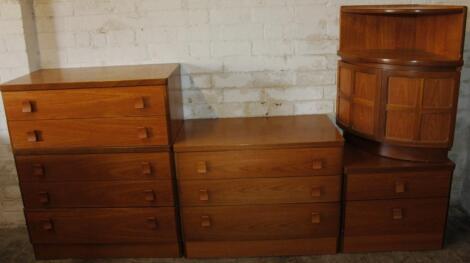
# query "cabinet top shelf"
(403, 9)
(406, 57)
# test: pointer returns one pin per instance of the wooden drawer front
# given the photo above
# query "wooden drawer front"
(260, 163)
(111, 225)
(98, 194)
(88, 133)
(392, 217)
(93, 167)
(85, 103)
(260, 222)
(260, 190)
(398, 185)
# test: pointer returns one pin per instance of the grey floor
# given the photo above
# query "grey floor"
(15, 248)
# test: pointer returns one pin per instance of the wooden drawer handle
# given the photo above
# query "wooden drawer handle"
(143, 133)
(316, 218)
(48, 225)
(38, 170)
(201, 167)
(317, 164)
(397, 213)
(149, 195)
(316, 192)
(44, 198)
(205, 221)
(139, 103)
(400, 187)
(153, 222)
(33, 136)
(203, 195)
(146, 168)
(27, 106)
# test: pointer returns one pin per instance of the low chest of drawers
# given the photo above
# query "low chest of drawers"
(394, 205)
(93, 154)
(259, 186)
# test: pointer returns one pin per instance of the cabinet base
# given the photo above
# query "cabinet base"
(416, 154)
(421, 241)
(55, 251)
(295, 247)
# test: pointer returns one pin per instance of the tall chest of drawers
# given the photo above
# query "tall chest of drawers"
(93, 154)
(259, 186)
(392, 204)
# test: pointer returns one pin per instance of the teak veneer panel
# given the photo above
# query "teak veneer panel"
(259, 248)
(266, 222)
(85, 103)
(108, 132)
(260, 191)
(93, 251)
(94, 167)
(370, 186)
(258, 132)
(94, 77)
(98, 194)
(260, 163)
(103, 226)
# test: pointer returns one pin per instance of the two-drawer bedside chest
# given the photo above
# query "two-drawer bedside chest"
(392, 204)
(93, 154)
(259, 186)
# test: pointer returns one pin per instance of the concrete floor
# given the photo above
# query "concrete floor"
(15, 248)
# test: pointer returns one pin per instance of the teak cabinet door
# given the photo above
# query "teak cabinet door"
(93, 167)
(85, 103)
(108, 132)
(358, 98)
(260, 191)
(98, 194)
(420, 107)
(259, 163)
(268, 222)
(98, 226)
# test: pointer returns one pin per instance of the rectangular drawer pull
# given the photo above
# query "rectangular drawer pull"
(201, 167)
(139, 103)
(316, 218)
(38, 169)
(33, 136)
(397, 213)
(317, 164)
(400, 187)
(146, 168)
(143, 133)
(316, 192)
(153, 222)
(205, 221)
(44, 198)
(27, 106)
(203, 195)
(149, 195)
(48, 225)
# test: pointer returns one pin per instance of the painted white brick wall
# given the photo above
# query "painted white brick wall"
(239, 57)
(17, 57)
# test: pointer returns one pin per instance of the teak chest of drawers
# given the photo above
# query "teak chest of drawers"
(392, 204)
(93, 154)
(259, 186)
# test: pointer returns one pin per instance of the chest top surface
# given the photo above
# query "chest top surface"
(257, 132)
(360, 161)
(93, 77)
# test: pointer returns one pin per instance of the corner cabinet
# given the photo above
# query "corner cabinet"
(398, 78)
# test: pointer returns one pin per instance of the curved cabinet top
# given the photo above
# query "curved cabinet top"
(409, 35)
(403, 9)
